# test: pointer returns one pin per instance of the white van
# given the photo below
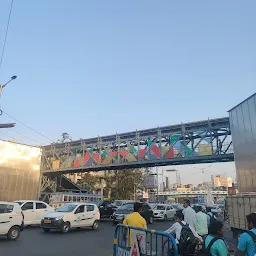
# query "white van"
(11, 220)
(72, 215)
(34, 211)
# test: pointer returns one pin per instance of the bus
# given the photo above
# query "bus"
(60, 198)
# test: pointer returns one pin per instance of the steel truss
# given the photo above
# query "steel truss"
(197, 142)
(190, 143)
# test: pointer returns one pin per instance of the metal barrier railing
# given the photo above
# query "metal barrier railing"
(130, 240)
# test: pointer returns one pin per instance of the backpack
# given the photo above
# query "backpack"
(188, 242)
(206, 251)
(212, 219)
(252, 235)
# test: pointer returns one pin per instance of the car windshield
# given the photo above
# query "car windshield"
(126, 207)
(67, 208)
(160, 207)
(20, 203)
(175, 206)
(118, 203)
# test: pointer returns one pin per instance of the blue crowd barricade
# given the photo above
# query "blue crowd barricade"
(135, 241)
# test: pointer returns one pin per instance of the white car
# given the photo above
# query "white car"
(34, 211)
(72, 215)
(11, 220)
(164, 212)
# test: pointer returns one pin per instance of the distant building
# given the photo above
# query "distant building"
(221, 181)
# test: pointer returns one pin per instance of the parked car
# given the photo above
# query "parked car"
(72, 215)
(106, 207)
(164, 212)
(34, 211)
(11, 220)
(126, 209)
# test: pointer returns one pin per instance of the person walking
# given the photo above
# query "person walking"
(176, 228)
(135, 219)
(247, 242)
(214, 243)
(189, 214)
(210, 216)
(201, 222)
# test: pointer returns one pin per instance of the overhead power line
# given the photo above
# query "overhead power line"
(6, 34)
(26, 136)
(28, 126)
(1, 131)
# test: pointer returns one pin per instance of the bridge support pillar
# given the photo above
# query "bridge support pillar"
(47, 186)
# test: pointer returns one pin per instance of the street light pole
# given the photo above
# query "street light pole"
(2, 86)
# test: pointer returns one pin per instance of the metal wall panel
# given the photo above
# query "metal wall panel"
(19, 171)
(243, 128)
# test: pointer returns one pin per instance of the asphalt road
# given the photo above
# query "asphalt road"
(34, 242)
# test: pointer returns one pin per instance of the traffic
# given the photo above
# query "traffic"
(76, 214)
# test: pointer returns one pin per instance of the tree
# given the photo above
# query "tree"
(121, 184)
(88, 181)
(127, 183)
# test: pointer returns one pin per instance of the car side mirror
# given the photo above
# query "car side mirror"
(101, 206)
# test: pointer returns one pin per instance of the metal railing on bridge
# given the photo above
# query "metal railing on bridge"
(189, 143)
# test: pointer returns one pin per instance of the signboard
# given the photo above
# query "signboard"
(151, 182)
(138, 245)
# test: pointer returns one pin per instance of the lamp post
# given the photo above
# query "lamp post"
(9, 125)
(2, 86)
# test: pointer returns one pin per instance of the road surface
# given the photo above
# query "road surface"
(34, 242)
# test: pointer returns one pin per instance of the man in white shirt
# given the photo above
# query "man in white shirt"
(201, 222)
(176, 228)
(189, 214)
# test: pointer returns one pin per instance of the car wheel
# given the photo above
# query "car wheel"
(95, 225)
(46, 230)
(65, 227)
(165, 217)
(151, 220)
(13, 233)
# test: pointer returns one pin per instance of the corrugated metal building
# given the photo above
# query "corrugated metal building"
(19, 171)
(243, 128)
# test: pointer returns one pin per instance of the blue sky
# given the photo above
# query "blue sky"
(93, 68)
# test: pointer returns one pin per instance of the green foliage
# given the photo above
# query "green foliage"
(122, 184)
(88, 181)
(127, 183)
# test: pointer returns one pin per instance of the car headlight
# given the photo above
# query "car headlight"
(59, 218)
(161, 212)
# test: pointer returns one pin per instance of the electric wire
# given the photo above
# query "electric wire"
(1, 131)
(6, 34)
(36, 141)
(32, 129)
